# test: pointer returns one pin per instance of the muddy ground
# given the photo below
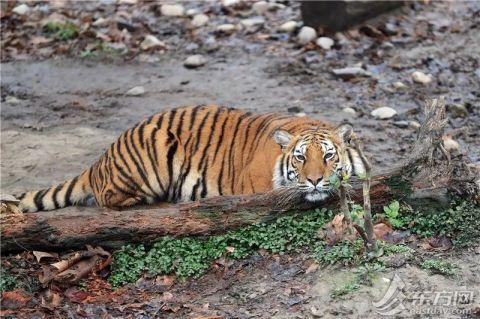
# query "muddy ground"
(68, 109)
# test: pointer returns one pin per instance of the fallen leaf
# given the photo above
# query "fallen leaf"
(441, 243)
(15, 299)
(41, 254)
(381, 230)
(76, 295)
(167, 296)
(312, 268)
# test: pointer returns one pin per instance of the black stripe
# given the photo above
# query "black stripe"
(38, 199)
(231, 156)
(282, 166)
(194, 116)
(220, 139)
(122, 174)
(141, 130)
(154, 166)
(68, 193)
(171, 119)
(352, 165)
(180, 125)
(193, 195)
(170, 154)
(54, 196)
(137, 165)
(199, 133)
(220, 177)
(119, 153)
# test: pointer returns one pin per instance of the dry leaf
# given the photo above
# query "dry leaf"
(15, 299)
(41, 254)
(381, 230)
(312, 268)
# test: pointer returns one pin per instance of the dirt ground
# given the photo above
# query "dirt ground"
(68, 109)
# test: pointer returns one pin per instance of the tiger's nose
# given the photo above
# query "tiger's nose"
(315, 180)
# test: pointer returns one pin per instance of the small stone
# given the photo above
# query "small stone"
(260, 7)
(12, 100)
(457, 110)
(325, 43)
(306, 35)
(301, 114)
(349, 110)
(399, 86)
(150, 42)
(200, 20)
(422, 78)
(194, 61)
(136, 91)
(230, 3)
(172, 10)
(414, 124)
(226, 28)
(129, 2)
(288, 26)
(294, 109)
(252, 22)
(383, 113)
(192, 12)
(101, 22)
(450, 144)
(387, 46)
(351, 72)
(401, 124)
(21, 9)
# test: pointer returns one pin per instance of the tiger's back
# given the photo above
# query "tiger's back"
(178, 155)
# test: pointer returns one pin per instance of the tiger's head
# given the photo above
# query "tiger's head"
(310, 159)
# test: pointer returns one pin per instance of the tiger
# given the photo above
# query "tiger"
(193, 152)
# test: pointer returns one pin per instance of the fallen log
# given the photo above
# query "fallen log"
(423, 179)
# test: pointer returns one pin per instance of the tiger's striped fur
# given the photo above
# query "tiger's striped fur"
(195, 152)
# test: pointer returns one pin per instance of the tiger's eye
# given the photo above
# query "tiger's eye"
(328, 156)
(301, 158)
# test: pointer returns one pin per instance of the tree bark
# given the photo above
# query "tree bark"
(421, 180)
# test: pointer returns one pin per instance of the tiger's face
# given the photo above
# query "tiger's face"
(310, 159)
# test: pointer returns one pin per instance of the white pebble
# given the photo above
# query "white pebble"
(172, 10)
(422, 78)
(301, 114)
(325, 43)
(129, 2)
(21, 9)
(136, 91)
(252, 22)
(100, 22)
(399, 85)
(226, 28)
(230, 3)
(200, 20)
(383, 113)
(450, 144)
(288, 26)
(194, 61)
(350, 110)
(12, 100)
(192, 12)
(306, 35)
(260, 7)
(150, 42)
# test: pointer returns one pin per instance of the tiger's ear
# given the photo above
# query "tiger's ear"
(345, 132)
(282, 137)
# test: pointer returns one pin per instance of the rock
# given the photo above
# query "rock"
(226, 28)
(383, 113)
(136, 91)
(351, 72)
(21, 9)
(401, 124)
(387, 46)
(192, 12)
(129, 2)
(199, 20)
(150, 42)
(301, 114)
(294, 109)
(414, 124)
(422, 78)
(457, 110)
(191, 47)
(230, 3)
(260, 7)
(252, 22)
(288, 26)
(101, 22)
(325, 43)
(194, 61)
(450, 144)
(399, 86)
(306, 35)
(12, 100)
(172, 10)
(350, 111)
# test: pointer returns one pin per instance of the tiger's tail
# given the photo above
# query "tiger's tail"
(73, 191)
